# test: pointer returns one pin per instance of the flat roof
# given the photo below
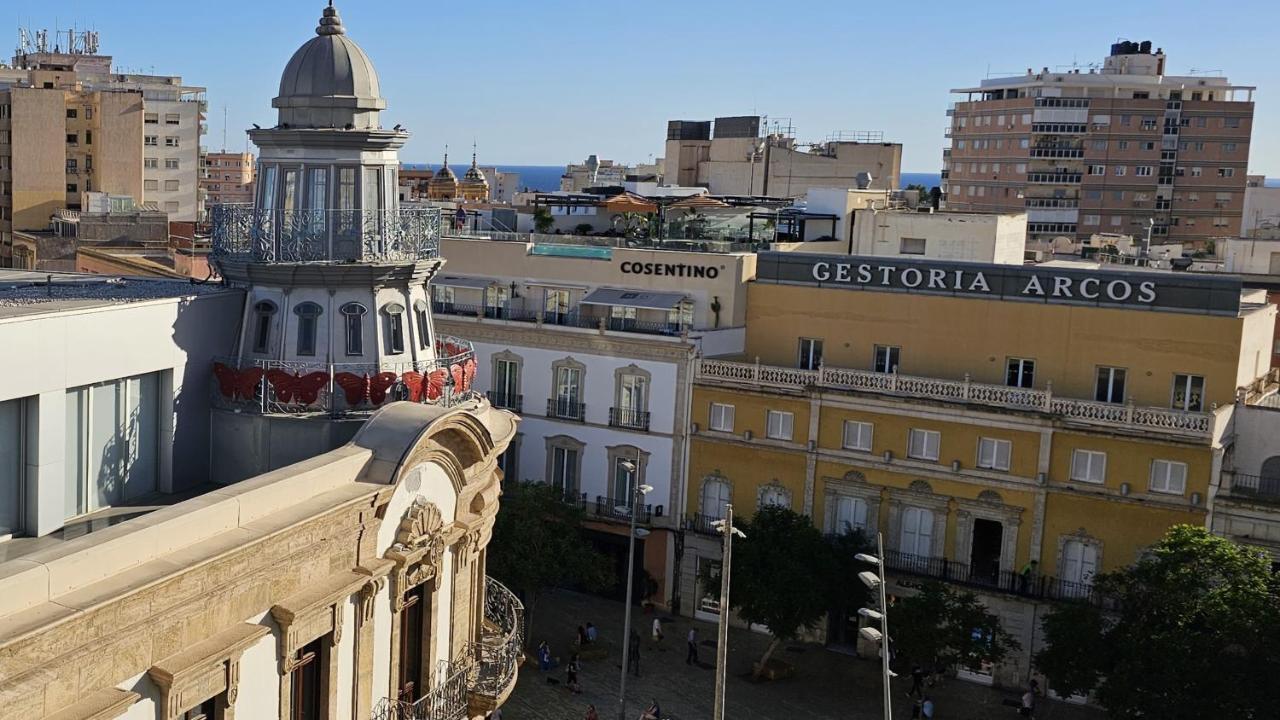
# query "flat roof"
(33, 292)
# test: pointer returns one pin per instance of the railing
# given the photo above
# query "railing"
(450, 308)
(576, 499)
(1267, 488)
(252, 234)
(1174, 421)
(507, 401)
(610, 509)
(629, 418)
(566, 410)
(447, 701)
(289, 387)
(701, 524)
(501, 650)
(1030, 585)
(1054, 178)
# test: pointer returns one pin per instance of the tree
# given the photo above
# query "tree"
(1196, 631)
(778, 576)
(542, 220)
(922, 192)
(948, 626)
(844, 593)
(538, 543)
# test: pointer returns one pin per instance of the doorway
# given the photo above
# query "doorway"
(415, 624)
(984, 556)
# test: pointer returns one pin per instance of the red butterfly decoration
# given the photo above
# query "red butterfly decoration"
(413, 381)
(355, 387)
(237, 383)
(469, 373)
(308, 386)
(284, 383)
(435, 384)
(379, 385)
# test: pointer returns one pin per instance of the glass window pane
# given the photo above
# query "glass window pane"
(11, 440)
(141, 433)
(106, 454)
(77, 406)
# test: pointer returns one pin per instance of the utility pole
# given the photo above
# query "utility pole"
(722, 630)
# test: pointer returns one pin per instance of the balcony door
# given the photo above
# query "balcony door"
(917, 532)
(624, 481)
(415, 622)
(506, 382)
(568, 391)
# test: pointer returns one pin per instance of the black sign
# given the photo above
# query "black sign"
(1152, 290)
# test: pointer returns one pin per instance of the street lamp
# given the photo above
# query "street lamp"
(637, 492)
(875, 581)
(727, 530)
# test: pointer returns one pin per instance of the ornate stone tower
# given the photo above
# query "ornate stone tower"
(337, 316)
(474, 186)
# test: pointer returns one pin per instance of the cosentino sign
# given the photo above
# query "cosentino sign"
(1176, 292)
(683, 270)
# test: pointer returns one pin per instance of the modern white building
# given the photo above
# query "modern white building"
(594, 347)
(173, 123)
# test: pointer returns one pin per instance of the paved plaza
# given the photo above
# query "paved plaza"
(827, 685)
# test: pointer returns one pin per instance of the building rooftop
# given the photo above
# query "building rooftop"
(27, 292)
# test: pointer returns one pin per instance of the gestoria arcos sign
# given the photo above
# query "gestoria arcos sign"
(1155, 290)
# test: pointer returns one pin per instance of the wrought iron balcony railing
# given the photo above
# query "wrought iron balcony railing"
(284, 387)
(507, 401)
(701, 524)
(1256, 486)
(500, 650)
(609, 509)
(566, 410)
(446, 701)
(253, 234)
(629, 418)
(1031, 585)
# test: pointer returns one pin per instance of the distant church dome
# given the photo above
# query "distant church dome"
(330, 82)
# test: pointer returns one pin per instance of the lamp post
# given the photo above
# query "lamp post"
(726, 528)
(875, 581)
(637, 493)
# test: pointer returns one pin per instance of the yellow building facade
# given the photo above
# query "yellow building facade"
(980, 417)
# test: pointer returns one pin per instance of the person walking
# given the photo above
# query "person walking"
(633, 654)
(917, 681)
(591, 713)
(544, 656)
(915, 709)
(1028, 708)
(657, 631)
(571, 675)
(653, 712)
(591, 633)
(691, 658)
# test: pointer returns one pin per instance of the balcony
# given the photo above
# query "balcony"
(244, 233)
(506, 401)
(1197, 425)
(702, 524)
(629, 418)
(1255, 487)
(609, 509)
(446, 701)
(1057, 152)
(1004, 581)
(500, 650)
(562, 409)
(275, 387)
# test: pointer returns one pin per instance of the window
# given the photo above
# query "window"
(716, 495)
(917, 532)
(1097, 169)
(1168, 476)
(850, 514)
(171, 164)
(112, 443)
(632, 409)
(680, 317)
(857, 435)
(810, 354)
(774, 495)
(172, 118)
(72, 138)
(422, 321)
(1188, 393)
(306, 680)
(1099, 144)
(1110, 385)
(264, 311)
(778, 424)
(1123, 144)
(206, 710)
(308, 318)
(151, 140)
(150, 184)
(912, 246)
(150, 163)
(1142, 171)
(1079, 565)
(72, 188)
(353, 326)
(1024, 143)
(993, 454)
(1090, 219)
(171, 206)
(886, 358)
(1088, 466)
(1120, 170)
(923, 444)
(506, 383)
(496, 299)
(1020, 372)
(564, 470)
(567, 402)
(12, 445)
(88, 137)
(171, 141)
(1197, 171)
(1116, 220)
(1228, 147)
(151, 118)
(1226, 172)
(721, 417)
(625, 470)
(171, 185)
(395, 327)
(443, 296)
(555, 306)
(1231, 122)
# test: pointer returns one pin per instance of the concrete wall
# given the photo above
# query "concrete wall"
(1261, 214)
(242, 445)
(1252, 257)
(117, 144)
(38, 162)
(974, 237)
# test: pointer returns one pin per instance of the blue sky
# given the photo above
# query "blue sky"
(550, 81)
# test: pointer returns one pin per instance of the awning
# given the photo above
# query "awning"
(634, 298)
(629, 202)
(462, 282)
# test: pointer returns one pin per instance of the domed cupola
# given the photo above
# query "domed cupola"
(329, 82)
(444, 184)
(474, 186)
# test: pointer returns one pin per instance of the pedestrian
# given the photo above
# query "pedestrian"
(544, 656)
(657, 631)
(915, 709)
(633, 654)
(1028, 708)
(691, 658)
(571, 675)
(582, 635)
(917, 681)
(591, 633)
(591, 713)
(653, 712)
(1027, 577)
(926, 710)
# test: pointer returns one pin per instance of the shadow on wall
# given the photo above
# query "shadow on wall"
(202, 330)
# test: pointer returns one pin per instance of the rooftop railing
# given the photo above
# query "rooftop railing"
(1178, 422)
(1256, 486)
(252, 234)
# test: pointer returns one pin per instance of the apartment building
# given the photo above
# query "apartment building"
(595, 348)
(979, 416)
(227, 178)
(739, 156)
(1123, 148)
(594, 172)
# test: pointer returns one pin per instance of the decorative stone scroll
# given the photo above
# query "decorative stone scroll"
(418, 552)
(203, 671)
(312, 613)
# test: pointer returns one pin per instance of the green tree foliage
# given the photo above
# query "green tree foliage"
(923, 192)
(538, 543)
(1196, 634)
(844, 592)
(947, 625)
(542, 220)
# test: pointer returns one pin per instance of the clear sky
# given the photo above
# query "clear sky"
(550, 81)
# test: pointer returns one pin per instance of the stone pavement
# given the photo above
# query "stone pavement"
(827, 685)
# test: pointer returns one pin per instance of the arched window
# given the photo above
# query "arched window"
(395, 327)
(308, 318)
(424, 324)
(1079, 565)
(917, 532)
(263, 312)
(851, 514)
(353, 324)
(716, 493)
(775, 495)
